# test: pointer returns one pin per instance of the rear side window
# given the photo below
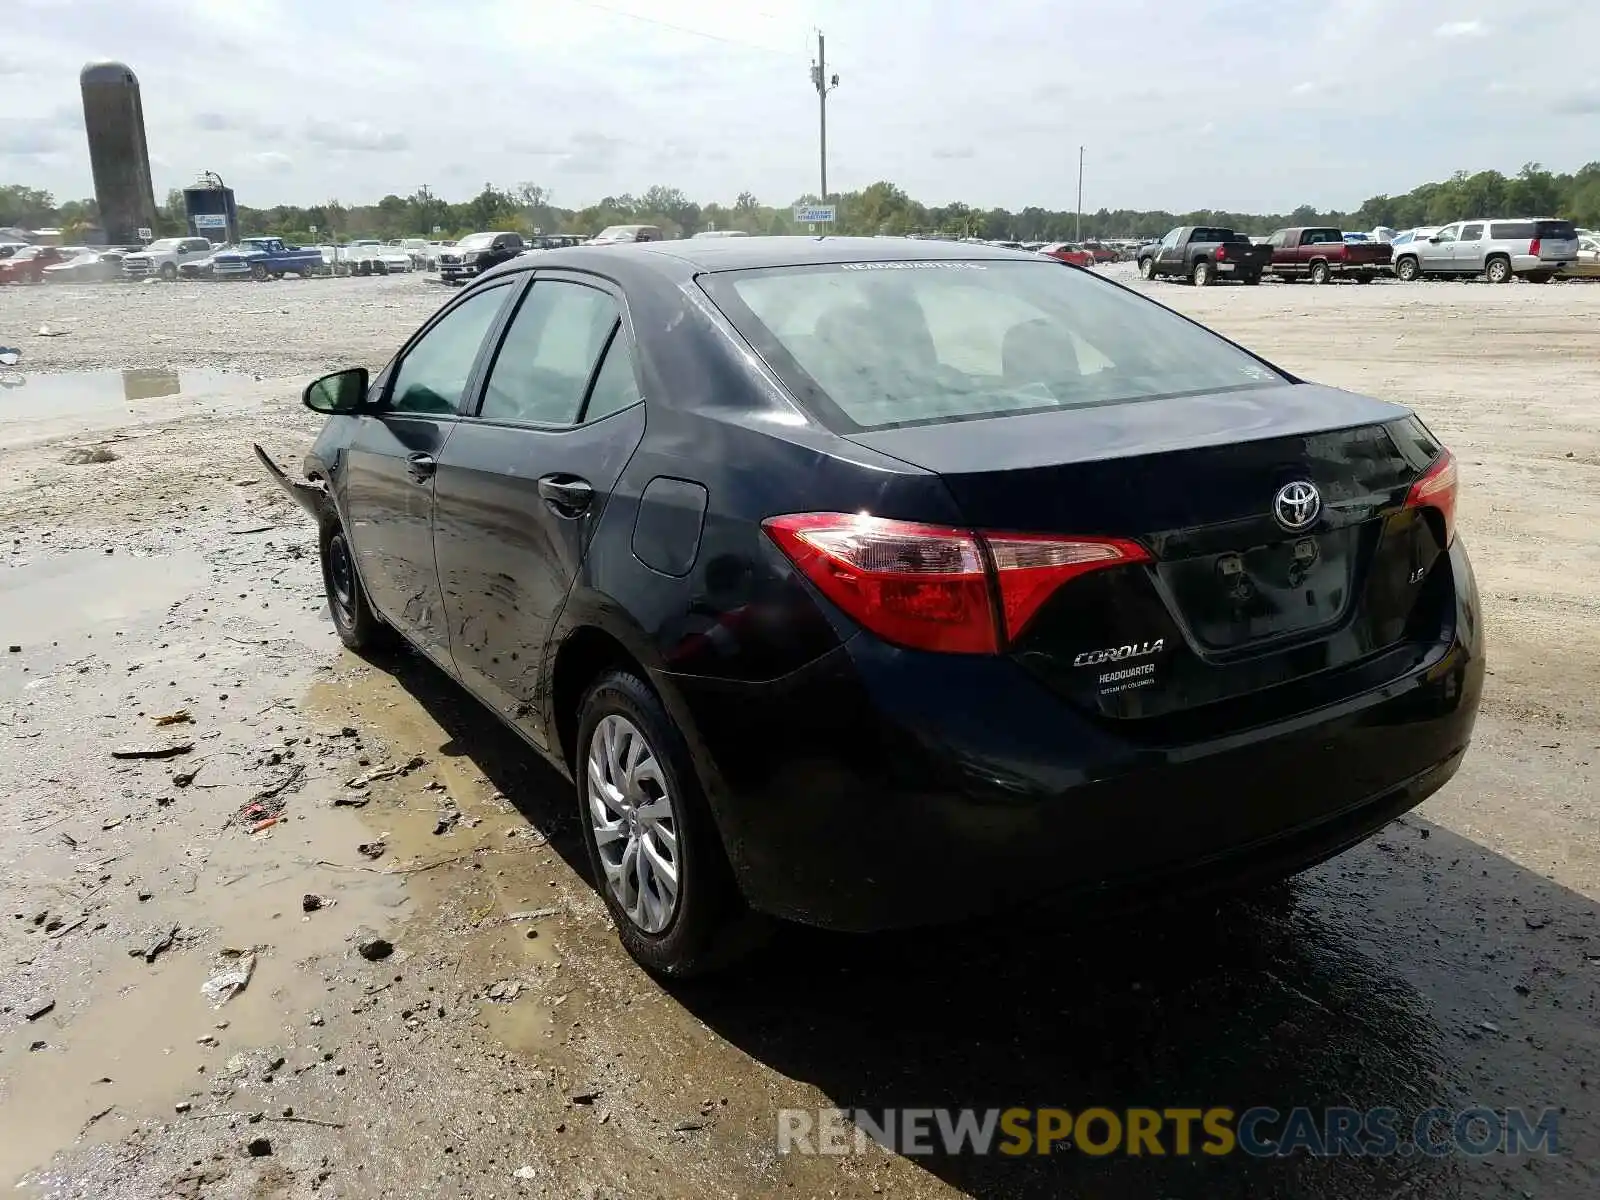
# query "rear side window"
(1511, 231)
(549, 352)
(883, 344)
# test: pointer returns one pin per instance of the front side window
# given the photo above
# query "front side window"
(543, 367)
(1171, 240)
(1472, 233)
(434, 373)
(882, 344)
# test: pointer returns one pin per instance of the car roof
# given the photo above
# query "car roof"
(689, 256)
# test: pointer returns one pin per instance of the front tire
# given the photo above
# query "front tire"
(169, 272)
(358, 626)
(655, 852)
(258, 272)
(1147, 268)
(1407, 270)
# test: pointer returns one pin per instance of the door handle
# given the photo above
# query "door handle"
(567, 494)
(421, 467)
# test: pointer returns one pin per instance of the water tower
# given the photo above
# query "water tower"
(114, 119)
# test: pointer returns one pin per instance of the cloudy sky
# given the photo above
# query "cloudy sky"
(1238, 104)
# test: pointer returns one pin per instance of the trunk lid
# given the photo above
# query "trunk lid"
(1239, 600)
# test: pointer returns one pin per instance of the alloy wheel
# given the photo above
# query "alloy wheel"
(634, 823)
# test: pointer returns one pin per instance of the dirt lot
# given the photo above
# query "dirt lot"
(506, 1046)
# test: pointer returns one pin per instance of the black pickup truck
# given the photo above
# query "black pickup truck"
(1203, 254)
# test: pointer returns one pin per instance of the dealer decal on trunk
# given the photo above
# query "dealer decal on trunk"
(1120, 678)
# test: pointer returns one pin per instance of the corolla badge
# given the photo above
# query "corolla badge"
(1297, 505)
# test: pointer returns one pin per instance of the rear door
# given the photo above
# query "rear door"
(388, 475)
(522, 484)
(1467, 258)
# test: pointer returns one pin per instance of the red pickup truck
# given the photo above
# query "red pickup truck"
(1320, 254)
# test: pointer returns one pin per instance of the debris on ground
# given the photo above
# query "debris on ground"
(226, 984)
(154, 943)
(311, 902)
(504, 992)
(584, 1095)
(166, 750)
(387, 771)
(9, 356)
(372, 947)
(181, 717)
(51, 331)
(373, 850)
(84, 456)
(36, 1008)
(258, 1147)
(448, 819)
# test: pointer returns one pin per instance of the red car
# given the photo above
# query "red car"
(1102, 254)
(27, 265)
(1067, 252)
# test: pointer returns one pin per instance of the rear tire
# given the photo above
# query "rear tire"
(1407, 270)
(637, 788)
(1498, 270)
(1147, 268)
(1319, 272)
(358, 626)
(1200, 274)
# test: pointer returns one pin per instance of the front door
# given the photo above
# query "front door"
(1435, 253)
(1467, 257)
(389, 468)
(522, 484)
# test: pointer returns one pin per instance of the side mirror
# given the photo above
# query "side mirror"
(339, 394)
(1434, 239)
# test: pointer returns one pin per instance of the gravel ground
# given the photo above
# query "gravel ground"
(506, 1046)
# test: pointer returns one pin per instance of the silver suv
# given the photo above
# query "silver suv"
(1533, 248)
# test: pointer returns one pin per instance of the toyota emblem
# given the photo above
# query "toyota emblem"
(1297, 505)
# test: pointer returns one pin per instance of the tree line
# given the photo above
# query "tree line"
(881, 208)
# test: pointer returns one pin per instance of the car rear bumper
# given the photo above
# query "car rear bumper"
(883, 788)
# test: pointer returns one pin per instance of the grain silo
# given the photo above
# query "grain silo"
(114, 119)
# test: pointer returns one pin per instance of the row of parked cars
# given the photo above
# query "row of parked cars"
(1537, 249)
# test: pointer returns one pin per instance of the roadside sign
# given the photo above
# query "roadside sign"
(312, 228)
(438, 228)
(537, 230)
(144, 234)
(210, 221)
(815, 214)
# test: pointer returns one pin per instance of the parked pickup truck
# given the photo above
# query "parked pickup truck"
(1322, 253)
(266, 257)
(165, 259)
(1203, 254)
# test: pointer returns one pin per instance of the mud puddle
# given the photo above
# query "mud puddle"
(37, 407)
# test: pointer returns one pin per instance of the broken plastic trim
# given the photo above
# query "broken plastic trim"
(308, 496)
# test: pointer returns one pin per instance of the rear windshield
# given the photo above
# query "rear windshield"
(876, 345)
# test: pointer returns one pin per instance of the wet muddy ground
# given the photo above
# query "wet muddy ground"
(504, 1045)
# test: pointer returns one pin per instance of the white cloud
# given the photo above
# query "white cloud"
(354, 135)
(945, 100)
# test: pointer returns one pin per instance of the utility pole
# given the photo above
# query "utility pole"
(1077, 226)
(824, 84)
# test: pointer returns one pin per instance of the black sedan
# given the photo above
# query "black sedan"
(871, 583)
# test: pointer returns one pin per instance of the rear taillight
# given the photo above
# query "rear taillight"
(1222, 253)
(928, 587)
(1438, 489)
(1533, 248)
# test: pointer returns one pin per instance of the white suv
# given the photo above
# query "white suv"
(1535, 248)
